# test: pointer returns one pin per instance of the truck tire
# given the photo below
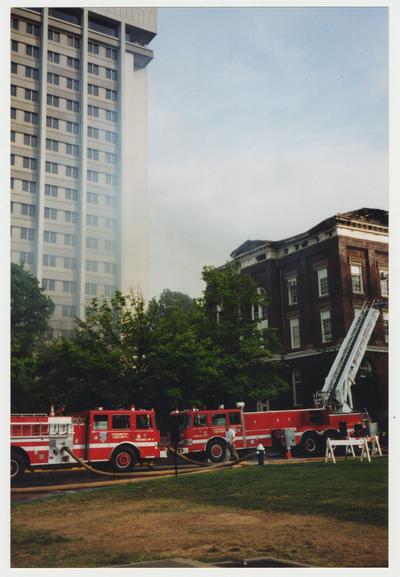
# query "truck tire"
(310, 444)
(330, 434)
(17, 467)
(216, 450)
(123, 460)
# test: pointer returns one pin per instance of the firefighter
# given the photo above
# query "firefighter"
(230, 437)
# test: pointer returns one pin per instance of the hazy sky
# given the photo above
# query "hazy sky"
(262, 122)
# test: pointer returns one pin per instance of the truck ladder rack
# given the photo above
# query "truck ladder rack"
(336, 392)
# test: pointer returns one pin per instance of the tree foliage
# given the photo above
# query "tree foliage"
(173, 352)
(31, 310)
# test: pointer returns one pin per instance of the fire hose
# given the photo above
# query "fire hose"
(128, 477)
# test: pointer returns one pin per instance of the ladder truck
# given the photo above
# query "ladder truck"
(336, 392)
(202, 432)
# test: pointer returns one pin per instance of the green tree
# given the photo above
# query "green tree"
(31, 310)
(246, 352)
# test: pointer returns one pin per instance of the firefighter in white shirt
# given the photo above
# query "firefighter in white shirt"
(230, 438)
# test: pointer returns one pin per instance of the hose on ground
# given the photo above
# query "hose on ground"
(202, 464)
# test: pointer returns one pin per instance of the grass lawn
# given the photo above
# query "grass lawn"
(289, 511)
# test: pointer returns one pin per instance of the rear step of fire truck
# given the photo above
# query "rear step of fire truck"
(336, 392)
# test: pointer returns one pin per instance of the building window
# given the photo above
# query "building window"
(14, 68)
(111, 136)
(49, 260)
(70, 240)
(14, 45)
(29, 186)
(93, 110)
(50, 213)
(30, 117)
(386, 326)
(14, 23)
(69, 286)
(71, 171)
(51, 190)
(72, 84)
(68, 311)
(91, 220)
(73, 63)
(292, 290)
(111, 53)
(110, 268)
(31, 72)
(30, 140)
(90, 289)
(71, 149)
(51, 144)
(356, 279)
(73, 41)
(384, 279)
(91, 243)
(93, 132)
(111, 115)
(32, 51)
(93, 198)
(296, 387)
(13, 113)
(111, 74)
(71, 216)
(72, 127)
(13, 90)
(51, 167)
(111, 95)
(33, 29)
(53, 78)
(29, 162)
(53, 35)
(93, 48)
(53, 100)
(326, 326)
(93, 68)
(111, 179)
(69, 263)
(49, 236)
(91, 266)
(92, 176)
(53, 57)
(28, 209)
(26, 257)
(93, 89)
(31, 95)
(71, 193)
(27, 233)
(92, 154)
(52, 122)
(49, 284)
(295, 333)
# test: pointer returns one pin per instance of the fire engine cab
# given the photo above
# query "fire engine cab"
(202, 432)
(122, 437)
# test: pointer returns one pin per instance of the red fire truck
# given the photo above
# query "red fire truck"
(306, 429)
(122, 437)
(202, 432)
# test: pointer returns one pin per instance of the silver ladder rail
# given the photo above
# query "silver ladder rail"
(336, 391)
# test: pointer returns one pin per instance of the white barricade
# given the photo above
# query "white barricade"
(350, 442)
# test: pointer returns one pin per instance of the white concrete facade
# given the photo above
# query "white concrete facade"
(79, 151)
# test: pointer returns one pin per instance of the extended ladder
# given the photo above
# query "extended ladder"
(336, 392)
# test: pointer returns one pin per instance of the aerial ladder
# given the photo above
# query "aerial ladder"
(336, 392)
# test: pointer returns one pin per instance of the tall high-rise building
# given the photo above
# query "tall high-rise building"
(79, 151)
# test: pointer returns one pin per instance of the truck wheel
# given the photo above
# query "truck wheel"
(216, 451)
(330, 434)
(310, 444)
(123, 460)
(17, 467)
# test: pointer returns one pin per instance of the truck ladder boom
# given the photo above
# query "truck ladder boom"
(336, 391)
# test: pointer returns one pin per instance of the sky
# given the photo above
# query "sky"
(262, 123)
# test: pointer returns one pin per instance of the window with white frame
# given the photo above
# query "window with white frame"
(357, 285)
(384, 280)
(323, 288)
(326, 326)
(295, 333)
(292, 290)
(259, 310)
(386, 325)
(296, 387)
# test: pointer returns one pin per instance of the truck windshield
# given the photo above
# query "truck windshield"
(186, 422)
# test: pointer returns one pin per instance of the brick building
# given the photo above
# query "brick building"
(316, 281)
